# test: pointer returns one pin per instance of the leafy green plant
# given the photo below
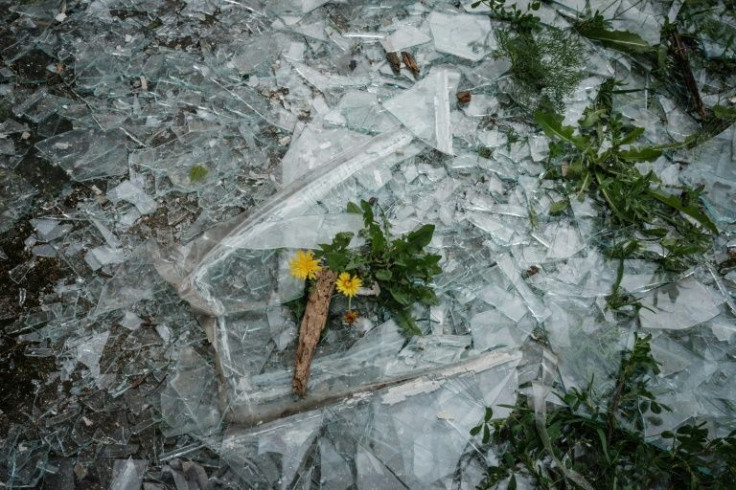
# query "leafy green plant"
(545, 61)
(398, 268)
(712, 22)
(619, 300)
(520, 20)
(599, 439)
(597, 28)
(698, 23)
(197, 173)
(599, 160)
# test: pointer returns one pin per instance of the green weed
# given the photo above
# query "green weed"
(599, 160)
(400, 266)
(599, 440)
(197, 173)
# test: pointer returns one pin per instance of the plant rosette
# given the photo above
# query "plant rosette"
(397, 270)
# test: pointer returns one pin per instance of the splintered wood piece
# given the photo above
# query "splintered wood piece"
(394, 61)
(410, 63)
(313, 322)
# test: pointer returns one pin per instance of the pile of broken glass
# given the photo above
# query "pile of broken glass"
(217, 137)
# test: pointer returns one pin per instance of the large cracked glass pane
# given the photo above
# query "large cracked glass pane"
(425, 108)
(409, 434)
(682, 305)
(462, 35)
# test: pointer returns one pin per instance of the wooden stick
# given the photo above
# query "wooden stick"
(313, 322)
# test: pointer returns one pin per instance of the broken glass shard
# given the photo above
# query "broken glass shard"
(682, 305)
(89, 353)
(315, 146)
(104, 255)
(301, 232)
(257, 56)
(424, 109)
(360, 111)
(566, 242)
(134, 280)
(405, 36)
(88, 154)
(717, 174)
(7, 147)
(130, 192)
(336, 472)
(372, 473)
(130, 321)
(513, 274)
(48, 230)
(16, 199)
(40, 105)
(44, 250)
(189, 402)
(127, 474)
(328, 82)
(463, 35)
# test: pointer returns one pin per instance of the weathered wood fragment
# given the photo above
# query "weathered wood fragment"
(313, 322)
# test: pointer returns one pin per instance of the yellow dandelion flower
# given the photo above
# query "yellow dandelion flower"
(304, 265)
(348, 285)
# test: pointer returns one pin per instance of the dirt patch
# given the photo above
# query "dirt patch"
(20, 377)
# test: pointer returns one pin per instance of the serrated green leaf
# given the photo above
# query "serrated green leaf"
(428, 297)
(421, 237)
(408, 325)
(559, 207)
(512, 483)
(336, 260)
(655, 232)
(367, 210)
(342, 239)
(400, 296)
(631, 136)
(619, 40)
(691, 210)
(723, 112)
(645, 154)
(475, 430)
(376, 238)
(552, 126)
(353, 208)
(383, 275)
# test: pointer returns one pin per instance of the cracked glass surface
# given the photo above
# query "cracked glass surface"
(160, 162)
